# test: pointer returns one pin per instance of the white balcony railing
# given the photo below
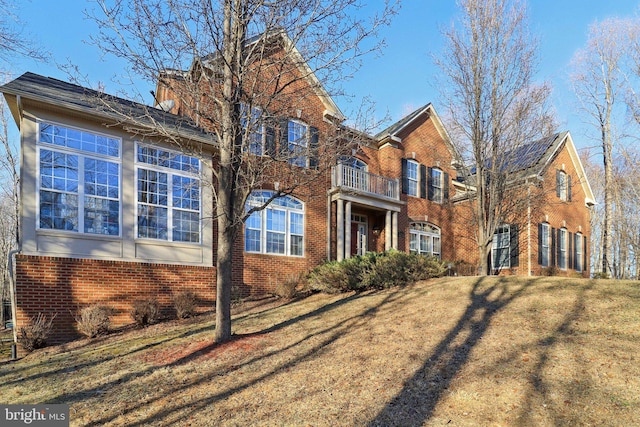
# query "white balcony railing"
(349, 178)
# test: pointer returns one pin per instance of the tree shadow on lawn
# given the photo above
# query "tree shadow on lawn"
(416, 402)
(91, 363)
(330, 333)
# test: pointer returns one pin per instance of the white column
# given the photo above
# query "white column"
(394, 232)
(347, 231)
(340, 230)
(387, 231)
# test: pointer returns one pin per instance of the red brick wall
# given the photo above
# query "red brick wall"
(546, 207)
(59, 286)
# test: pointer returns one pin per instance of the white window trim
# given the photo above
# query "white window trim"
(546, 247)
(506, 228)
(415, 180)
(304, 148)
(259, 128)
(440, 187)
(287, 233)
(563, 186)
(82, 155)
(170, 209)
(434, 233)
(578, 261)
(562, 245)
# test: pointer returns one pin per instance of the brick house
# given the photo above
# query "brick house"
(110, 215)
(549, 232)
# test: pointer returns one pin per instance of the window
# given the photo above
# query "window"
(353, 162)
(79, 181)
(543, 244)
(424, 239)
(562, 248)
(563, 186)
(435, 185)
(278, 228)
(297, 140)
(412, 178)
(500, 250)
(578, 257)
(168, 195)
(253, 127)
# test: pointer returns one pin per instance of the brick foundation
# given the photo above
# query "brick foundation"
(60, 286)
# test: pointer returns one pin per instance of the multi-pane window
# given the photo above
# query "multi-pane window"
(253, 128)
(276, 229)
(79, 181)
(298, 142)
(562, 248)
(168, 195)
(500, 249)
(578, 259)
(412, 178)
(424, 239)
(544, 244)
(436, 185)
(562, 185)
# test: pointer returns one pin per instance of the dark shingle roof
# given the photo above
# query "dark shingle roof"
(397, 126)
(63, 94)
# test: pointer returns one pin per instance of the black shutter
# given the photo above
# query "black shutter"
(570, 252)
(558, 182)
(284, 138)
(540, 244)
(559, 246)
(553, 247)
(429, 184)
(568, 188)
(445, 187)
(584, 253)
(313, 147)
(424, 178)
(514, 247)
(269, 140)
(405, 178)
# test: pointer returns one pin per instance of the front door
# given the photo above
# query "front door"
(358, 235)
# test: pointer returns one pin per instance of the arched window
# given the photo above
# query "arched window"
(353, 162)
(424, 238)
(278, 228)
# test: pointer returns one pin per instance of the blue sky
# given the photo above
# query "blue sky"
(398, 81)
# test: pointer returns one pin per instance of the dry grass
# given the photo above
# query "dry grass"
(459, 352)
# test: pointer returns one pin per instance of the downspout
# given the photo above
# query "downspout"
(14, 303)
(529, 230)
(328, 227)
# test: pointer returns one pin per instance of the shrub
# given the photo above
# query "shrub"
(36, 333)
(338, 276)
(93, 320)
(185, 303)
(551, 271)
(389, 269)
(145, 311)
(288, 288)
(426, 267)
(374, 271)
(601, 275)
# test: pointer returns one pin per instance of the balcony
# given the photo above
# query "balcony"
(349, 179)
